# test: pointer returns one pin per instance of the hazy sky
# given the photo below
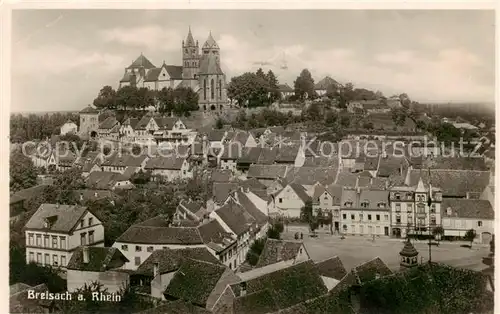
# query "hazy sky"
(61, 58)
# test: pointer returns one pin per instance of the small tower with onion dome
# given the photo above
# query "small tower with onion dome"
(408, 255)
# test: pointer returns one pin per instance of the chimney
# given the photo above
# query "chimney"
(95, 194)
(85, 254)
(156, 267)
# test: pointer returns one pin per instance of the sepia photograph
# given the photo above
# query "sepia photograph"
(251, 161)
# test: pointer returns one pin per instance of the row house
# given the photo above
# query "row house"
(236, 219)
(54, 158)
(55, 231)
(127, 130)
(460, 215)
(326, 199)
(267, 174)
(97, 264)
(169, 168)
(152, 129)
(308, 177)
(109, 129)
(415, 209)
(104, 180)
(289, 201)
(160, 267)
(121, 163)
(365, 212)
(140, 240)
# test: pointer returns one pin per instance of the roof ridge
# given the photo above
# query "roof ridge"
(328, 258)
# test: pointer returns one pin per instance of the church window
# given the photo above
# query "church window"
(205, 89)
(212, 88)
(220, 89)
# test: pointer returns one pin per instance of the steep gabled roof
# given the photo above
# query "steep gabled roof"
(169, 163)
(275, 251)
(371, 270)
(331, 267)
(100, 259)
(235, 217)
(171, 259)
(325, 83)
(89, 109)
(467, 208)
(176, 307)
(194, 281)
(61, 218)
(141, 62)
(455, 183)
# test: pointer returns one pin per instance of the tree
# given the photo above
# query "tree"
(22, 172)
(306, 212)
(249, 89)
(304, 85)
(255, 250)
(470, 235)
(331, 118)
(260, 73)
(166, 100)
(398, 116)
(146, 98)
(128, 97)
(345, 121)
(185, 101)
(368, 125)
(106, 99)
(272, 81)
(438, 232)
(219, 123)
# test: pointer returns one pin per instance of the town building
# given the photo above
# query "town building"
(97, 264)
(200, 72)
(412, 211)
(69, 127)
(277, 251)
(55, 231)
(89, 122)
(365, 212)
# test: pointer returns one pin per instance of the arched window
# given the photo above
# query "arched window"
(220, 89)
(205, 89)
(212, 89)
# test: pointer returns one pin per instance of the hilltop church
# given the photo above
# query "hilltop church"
(201, 72)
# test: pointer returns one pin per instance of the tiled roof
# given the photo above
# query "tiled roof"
(250, 207)
(169, 163)
(235, 217)
(288, 286)
(26, 194)
(221, 190)
(216, 135)
(213, 232)
(250, 155)
(152, 75)
(275, 251)
(194, 281)
(267, 156)
(267, 171)
(391, 165)
(467, 208)
(193, 207)
(321, 161)
(300, 191)
(371, 163)
(285, 88)
(21, 303)
(143, 122)
(311, 175)
(258, 302)
(218, 175)
(132, 122)
(62, 218)
(335, 191)
(127, 77)
(165, 123)
(325, 83)
(176, 307)
(18, 287)
(124, 160)
(210, 42)
(240, 137)
(252, 183)
(100, 259)
(346, 179)
(371, 270)
(171, 259)
(147, 234)
(454, 183)
(287, 153)
(373, 197)
(231, 152)
(408, 250)
(109, 123)
(140, 62)
(331, 267)
(89, 109)
(210, 65)
(456, 163)
(104, 180)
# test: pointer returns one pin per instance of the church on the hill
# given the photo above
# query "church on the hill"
(201, 72)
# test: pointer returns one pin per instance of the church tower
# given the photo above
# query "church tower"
(190, 57)
(212, 80)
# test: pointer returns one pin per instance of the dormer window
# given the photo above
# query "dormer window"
(381, 205)
(397, 196)
(448, 211)
(348, 204)
(365, 204)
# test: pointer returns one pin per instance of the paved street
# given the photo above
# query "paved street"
(354, 250)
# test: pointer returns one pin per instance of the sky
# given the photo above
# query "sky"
(61, 58)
